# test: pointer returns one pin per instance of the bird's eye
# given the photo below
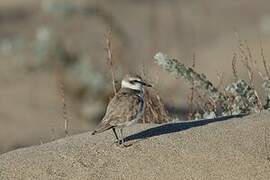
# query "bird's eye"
(132, 82)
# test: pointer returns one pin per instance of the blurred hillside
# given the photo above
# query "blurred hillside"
(38, 36)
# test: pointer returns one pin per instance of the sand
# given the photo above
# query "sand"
(235, 148)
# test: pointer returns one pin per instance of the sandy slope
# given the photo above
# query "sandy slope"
(226, 149)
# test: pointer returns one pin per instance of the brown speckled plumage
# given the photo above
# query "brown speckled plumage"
(123, 108)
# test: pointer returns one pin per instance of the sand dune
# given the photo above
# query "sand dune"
(235, 148)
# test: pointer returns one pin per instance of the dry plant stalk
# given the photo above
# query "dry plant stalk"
(264, 62)
(252, 60)
(234, 69)
(191, 96)
(61, 89)
(155, 111)
(201, 101)
(108, 48)
(153, 25)
(251, 65)
(245, 61)
(266, 145)
(206, 104)
(220, 77)
(253, 68)
(246, 58)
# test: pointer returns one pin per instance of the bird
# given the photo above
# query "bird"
(125, 108)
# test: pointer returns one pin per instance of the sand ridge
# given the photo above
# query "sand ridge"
(208, 149)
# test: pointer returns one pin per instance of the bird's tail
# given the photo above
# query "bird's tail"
(101, 128)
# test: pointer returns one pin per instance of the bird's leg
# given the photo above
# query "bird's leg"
(116, 135)
(122, 141)
(122, 136)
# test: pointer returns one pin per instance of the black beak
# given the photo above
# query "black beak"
(146, 84)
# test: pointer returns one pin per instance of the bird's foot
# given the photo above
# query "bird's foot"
(122, 144)
(126, 145)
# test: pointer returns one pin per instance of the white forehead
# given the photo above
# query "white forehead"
(126, 84)
(134, 78)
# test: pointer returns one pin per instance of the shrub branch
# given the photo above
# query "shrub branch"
(193, 78)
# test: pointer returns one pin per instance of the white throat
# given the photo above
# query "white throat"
(135, 86)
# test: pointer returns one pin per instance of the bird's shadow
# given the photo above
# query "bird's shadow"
(176, 127)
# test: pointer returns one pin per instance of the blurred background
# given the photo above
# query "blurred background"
(48, 47)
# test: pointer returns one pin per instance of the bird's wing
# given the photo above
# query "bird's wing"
(123, 107)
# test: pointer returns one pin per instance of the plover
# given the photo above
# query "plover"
(126, 107)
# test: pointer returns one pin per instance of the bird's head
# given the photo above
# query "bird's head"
(134, 82)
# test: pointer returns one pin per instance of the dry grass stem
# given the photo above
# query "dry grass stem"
(246, 63)
(266, 144)
(259, 104)
(234, 69)
(191, 96)
(155, 111)
(220, 77)
(250, 57)
(61, 88)
(201, 101)
(246, 58)
(251, 65)
(110, 58)
(264, 62)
